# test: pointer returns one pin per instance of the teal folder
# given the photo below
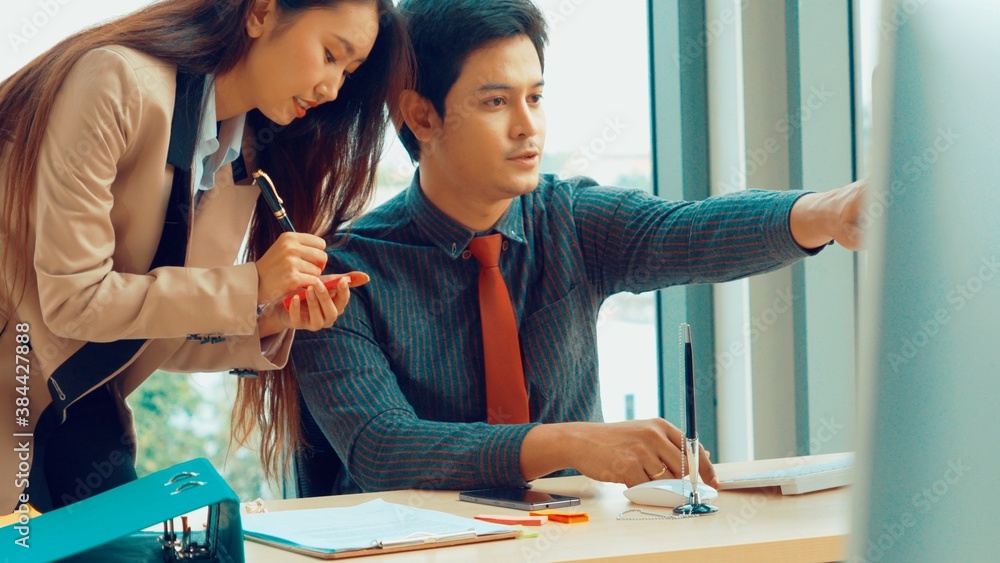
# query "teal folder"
(108, 527)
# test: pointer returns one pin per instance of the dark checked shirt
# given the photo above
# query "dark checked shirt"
(397, 384)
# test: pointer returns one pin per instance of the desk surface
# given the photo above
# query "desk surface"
(751, 525)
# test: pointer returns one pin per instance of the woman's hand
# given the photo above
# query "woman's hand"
(317, 311)
(294, 261)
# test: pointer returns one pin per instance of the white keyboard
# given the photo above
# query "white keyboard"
(798, 480)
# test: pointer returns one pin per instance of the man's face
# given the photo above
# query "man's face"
(490, 143)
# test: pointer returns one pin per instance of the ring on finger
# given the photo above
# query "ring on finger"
(658, 473)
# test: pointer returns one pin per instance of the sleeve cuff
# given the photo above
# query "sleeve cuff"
(272, 354)
(500, 455)
(778, 230)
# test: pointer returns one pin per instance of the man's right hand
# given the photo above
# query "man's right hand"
(631, 452)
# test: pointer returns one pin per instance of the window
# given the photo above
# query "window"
(871, 34)
(598, 108)
(781, 114)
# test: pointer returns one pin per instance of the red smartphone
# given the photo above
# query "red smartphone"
(358, 279)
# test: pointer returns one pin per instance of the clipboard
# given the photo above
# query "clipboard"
(431, 543)
(108, 526)
(372, 528)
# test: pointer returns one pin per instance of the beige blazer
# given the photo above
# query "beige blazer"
(101, 196)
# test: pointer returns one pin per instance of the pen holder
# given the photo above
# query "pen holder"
(696, 507)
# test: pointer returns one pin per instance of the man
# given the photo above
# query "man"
(410, 387)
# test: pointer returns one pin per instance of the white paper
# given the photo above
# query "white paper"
(331, 530)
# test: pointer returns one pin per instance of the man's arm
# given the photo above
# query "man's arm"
(633, 241)
(350, 389)
(347, 381)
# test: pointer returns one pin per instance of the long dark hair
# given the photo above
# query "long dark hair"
(325, 164)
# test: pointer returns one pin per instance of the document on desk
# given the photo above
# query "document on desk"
(376, 525)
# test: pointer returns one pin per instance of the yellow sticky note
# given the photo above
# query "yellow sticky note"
(527, 532)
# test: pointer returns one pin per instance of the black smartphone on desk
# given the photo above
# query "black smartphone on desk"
(523, 499)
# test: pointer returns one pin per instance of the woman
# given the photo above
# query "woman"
(124, 154)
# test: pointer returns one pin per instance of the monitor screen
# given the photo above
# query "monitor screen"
(930, 332)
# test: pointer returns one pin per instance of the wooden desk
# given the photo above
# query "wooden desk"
(751, 525)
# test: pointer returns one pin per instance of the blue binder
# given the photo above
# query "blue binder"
(108, 527)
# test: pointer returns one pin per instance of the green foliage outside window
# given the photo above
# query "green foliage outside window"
(181, 417)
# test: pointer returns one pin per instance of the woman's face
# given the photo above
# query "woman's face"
(300, 60)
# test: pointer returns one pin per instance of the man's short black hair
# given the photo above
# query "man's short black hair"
(445, 32)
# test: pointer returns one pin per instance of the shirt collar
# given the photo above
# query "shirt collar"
(449, 235)
(207, 131)
(208, 158)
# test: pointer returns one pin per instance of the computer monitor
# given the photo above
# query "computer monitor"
(929, 455)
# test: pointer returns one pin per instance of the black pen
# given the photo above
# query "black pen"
(274, 202)
(691, 441)
(692, 427)
(692, 449)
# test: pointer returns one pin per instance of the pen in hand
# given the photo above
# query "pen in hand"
(274, 203)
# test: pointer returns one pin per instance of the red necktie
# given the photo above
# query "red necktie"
(506, 395)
